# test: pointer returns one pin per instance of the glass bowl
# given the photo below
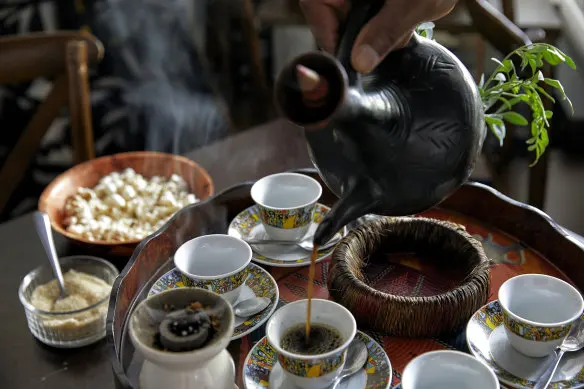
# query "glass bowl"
(74, 328)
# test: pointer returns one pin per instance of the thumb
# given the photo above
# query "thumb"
(389, 29)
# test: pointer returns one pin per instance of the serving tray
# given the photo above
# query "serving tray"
(517, 237)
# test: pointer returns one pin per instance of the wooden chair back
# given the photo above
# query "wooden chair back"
(495, 27)
(509, 9)
(63, 57)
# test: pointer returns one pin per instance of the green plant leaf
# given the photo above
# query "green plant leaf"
(509, 87)
(499, 63)
(570, 62)
(557, 85)
(533, 65)
(515, 118)
(482, 81)
(553, 57)
(499, 131)
(544, 93)
(426, 30)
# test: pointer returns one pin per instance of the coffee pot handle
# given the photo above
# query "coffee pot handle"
(360, 13)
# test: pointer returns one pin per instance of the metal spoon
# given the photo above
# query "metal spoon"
(252, 306)
(43, 227)
(356, 357)
(306, 243)
(573, 342)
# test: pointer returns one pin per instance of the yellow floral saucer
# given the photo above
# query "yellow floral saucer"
(247, 226)
(487, 341)
(261, 369)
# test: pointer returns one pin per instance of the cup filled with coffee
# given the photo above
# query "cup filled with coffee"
(215, 262)
(538, 312)
(313, 362)
(286, 203)
(448, 369)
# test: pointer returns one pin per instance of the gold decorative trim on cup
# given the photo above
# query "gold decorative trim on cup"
(286, 218)
(312, 368)
(535, 333)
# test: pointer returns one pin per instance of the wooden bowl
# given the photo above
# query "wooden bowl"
(88, 174)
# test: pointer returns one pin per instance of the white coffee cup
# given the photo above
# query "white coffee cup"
(447, 369)
(538, 312)
(216, 262)
(286, 202)
(312, 371)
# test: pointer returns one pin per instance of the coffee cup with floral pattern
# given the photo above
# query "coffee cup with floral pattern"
(215, 262)
(538, 312)
(286, 202)
(312, 371)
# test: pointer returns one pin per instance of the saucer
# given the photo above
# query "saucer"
(486, 339)
(259, 284)
(262, 370)
(247, 225)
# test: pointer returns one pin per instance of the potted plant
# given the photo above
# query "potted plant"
(509, 86)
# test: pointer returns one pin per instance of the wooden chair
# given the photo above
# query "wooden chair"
(234, 42)
(64, 58)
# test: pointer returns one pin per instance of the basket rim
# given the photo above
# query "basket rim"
(366, 289)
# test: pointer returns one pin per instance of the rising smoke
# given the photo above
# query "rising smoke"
(152, 46)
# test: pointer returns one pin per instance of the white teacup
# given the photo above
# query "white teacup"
(538, 312)
(312, 371)
(286, 203)
(447, 369)
(215, 262)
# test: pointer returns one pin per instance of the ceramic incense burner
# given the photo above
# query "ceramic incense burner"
(182, 334)
(394, 142)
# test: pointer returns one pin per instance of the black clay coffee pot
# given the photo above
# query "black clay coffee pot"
(393, 142)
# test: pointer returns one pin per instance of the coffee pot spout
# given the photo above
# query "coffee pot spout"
(361, 198)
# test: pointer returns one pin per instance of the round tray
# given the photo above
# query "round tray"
(517, 239)
(397, 311)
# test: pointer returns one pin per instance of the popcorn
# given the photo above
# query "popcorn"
(125, 206)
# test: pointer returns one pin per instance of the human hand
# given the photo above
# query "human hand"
(390, 29)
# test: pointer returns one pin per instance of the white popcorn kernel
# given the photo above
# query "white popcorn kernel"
(125, 206)
(116, 213)
(128, 192)
(167, 199)
(129, 173)
(116, 200)
(76, 229)
(86, 194)
(110, 188)
(84, 211)
(101, 190)
(71, 220)
(139, 183)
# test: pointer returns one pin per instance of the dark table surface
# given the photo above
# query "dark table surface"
(25, 362)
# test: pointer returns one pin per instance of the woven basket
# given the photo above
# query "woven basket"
(409, 316)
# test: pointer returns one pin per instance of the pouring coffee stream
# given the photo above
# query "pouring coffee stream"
(394, 142)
